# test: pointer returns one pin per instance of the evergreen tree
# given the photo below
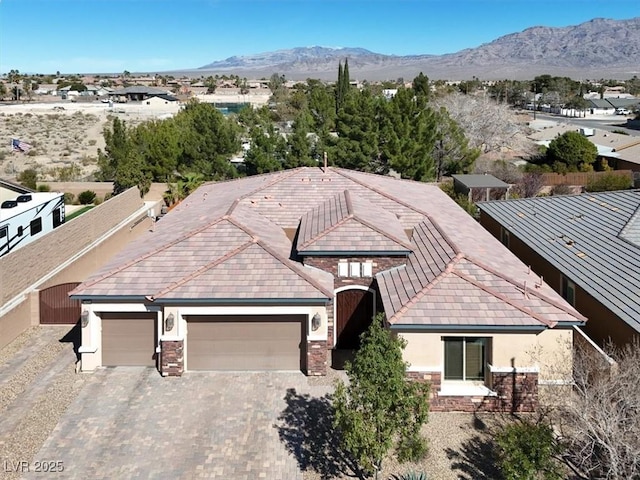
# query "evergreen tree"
(380, 409)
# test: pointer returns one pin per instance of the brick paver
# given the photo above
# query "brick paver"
(132, 423)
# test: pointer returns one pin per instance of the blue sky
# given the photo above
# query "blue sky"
(99, 36)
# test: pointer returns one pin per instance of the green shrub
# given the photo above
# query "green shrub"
(69, 198)
(526, 451)
(410, 476)
(29, 178)
(87, 197)
(609, 182)
(44, 187)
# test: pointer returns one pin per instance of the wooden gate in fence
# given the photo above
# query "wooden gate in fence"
(56, 308)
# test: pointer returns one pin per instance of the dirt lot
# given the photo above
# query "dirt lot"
(65, 137)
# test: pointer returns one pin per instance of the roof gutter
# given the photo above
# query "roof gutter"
(467, 328)
(355, 253)
(241, 301)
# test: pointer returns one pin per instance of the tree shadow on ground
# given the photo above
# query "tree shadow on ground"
(306, 429)
(475, 459)
(73, 336)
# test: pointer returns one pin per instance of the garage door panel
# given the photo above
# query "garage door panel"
(128, 339)
(245, 343)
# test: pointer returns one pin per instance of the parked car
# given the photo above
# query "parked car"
(622, 111)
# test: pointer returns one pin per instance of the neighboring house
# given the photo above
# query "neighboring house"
(620, 151)
(161, 100)
(600, 106)
(587, 247)
(136, 93)
(283, 271)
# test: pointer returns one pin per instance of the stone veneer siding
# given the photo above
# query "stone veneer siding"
(516, 392)
(330, 264)
(172, 358)
(317, 358)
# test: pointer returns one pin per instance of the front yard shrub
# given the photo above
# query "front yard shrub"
(86, 197)
(378, 410)
(526, 451)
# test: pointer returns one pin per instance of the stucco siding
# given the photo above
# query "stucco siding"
(548, 350)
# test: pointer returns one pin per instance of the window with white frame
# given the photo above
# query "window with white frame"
(355, 269)
(568, 290)
(465, 358)
(343, 269)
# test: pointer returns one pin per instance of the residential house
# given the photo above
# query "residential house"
(284, 271)
(587, 247)
(620, 151)
(136, 93)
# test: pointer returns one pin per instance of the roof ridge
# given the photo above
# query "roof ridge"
(203, 269)
(279, 176)
(505, 299)
(331, 228)
(401, 202)
(521, 286)
(150, 253)
(385, 234)
(427, 288)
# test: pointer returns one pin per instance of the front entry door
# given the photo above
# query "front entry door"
(354, 311)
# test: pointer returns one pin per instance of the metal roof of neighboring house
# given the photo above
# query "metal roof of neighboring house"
(165, 96)
(624, 102)
(593, 239)
(227, 242)
(599, 103)
(139, 90)
(486, 180)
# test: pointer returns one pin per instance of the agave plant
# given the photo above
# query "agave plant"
(410, 476)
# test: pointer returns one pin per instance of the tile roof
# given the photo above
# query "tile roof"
(441, 286)
(349, 223)
(226, 241)
(593, 239)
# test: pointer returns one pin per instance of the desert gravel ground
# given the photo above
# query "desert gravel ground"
(37, 384)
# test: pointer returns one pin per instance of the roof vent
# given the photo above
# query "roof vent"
(24, 198)
(9, 204)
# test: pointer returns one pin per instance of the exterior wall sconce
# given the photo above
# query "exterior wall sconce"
(84, 318)
(168, 322)
(316, 320)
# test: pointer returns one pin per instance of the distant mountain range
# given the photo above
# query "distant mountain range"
(599, 48)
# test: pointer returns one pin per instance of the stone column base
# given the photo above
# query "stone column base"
(171, 358)
(317, 358)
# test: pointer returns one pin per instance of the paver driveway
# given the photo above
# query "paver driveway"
(132, 423)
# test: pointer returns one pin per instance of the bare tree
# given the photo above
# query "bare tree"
(599, 420)
(489, 126)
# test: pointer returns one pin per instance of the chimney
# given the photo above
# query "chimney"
(325, 162)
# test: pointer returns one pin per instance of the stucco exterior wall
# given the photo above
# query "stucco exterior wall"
(547, 350)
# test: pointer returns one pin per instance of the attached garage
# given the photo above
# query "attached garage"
(269, 342)
(128, 339)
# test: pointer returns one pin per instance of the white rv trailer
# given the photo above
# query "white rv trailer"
(28, 217)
